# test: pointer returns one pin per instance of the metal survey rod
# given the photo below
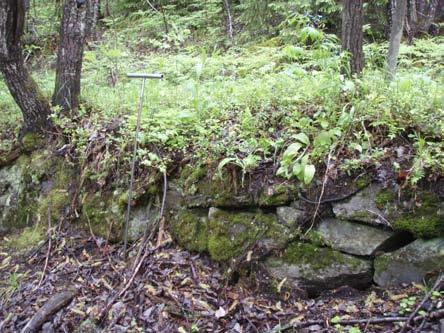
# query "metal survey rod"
(144, 77)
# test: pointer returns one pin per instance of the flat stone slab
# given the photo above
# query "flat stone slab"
(351, 237)
(411, 263)
(362, 207)
(305, 266)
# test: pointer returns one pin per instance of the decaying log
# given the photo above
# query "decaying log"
(54, 304)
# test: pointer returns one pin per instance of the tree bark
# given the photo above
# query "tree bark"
(352, 33)
(229, 18)
(78, 22)
(399, 9)
(34, 106)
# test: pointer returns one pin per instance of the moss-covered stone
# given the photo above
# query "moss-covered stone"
(384, 198)
(315, 268)
(232, 233)
(201, 189)
(54, 203)
(101, 212)
(190, 229)
(277, 195)
(310, 254)
(426, 220)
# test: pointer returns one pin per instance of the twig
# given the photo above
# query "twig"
(48, 252)
(53, 305)
(136, 269)
(324, 183)
(432, 315)
(437, 284)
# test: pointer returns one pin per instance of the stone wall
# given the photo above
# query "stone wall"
(378, 235)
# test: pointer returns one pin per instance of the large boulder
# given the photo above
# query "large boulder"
(351, 237)
(411, 263)
(226, 235)
(313, 268)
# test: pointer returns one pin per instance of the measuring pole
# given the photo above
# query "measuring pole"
(144, 77)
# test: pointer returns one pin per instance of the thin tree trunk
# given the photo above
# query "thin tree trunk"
(352, 33)
(34, 106)
(73, 32)
(24, 90)
(229, 18)
(399, 9)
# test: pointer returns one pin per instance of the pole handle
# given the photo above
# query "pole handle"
(144, 76)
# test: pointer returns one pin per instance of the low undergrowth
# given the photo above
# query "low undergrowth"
(282, 102)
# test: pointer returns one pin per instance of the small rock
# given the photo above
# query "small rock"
(289, 216)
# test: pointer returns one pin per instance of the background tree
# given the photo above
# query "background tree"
(399, 11)
(78, 21)
(34, 106)
(352, 33)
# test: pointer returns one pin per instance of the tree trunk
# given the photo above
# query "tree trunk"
(77, 23)
(352, 33)
(399, 9)
(229, 18)
(35, 108)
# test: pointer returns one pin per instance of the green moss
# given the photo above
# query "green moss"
(231, 233)
(190, 229)
(54, 203)
(309, 254)
(277, 195)
(362, 182)
(385, 197)
(27, 238)
(32, 141)
(381, 263)
(424, 221)
(102, 213)
(315, 238)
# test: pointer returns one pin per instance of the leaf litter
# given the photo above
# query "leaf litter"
(175, 291)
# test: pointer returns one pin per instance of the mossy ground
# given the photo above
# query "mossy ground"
(26, 238)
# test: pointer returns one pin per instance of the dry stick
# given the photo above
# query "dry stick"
(432, 315)
(324, 183)
(437, 284)
(128, 284)
(48, 251)
(53, 305)
(162, 210)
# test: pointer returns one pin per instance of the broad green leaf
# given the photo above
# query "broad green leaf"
(309, 172)
(293, 149)
(302, 137)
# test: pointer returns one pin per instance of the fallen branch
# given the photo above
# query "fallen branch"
(436, 286)
(438, 314)
(52, 306)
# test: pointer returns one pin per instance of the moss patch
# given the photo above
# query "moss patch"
(27, 238)
(190, 229)
(103, 214)
(277, 195)
(384, 198)
(425, 221)
(32, 141)
(309, 254)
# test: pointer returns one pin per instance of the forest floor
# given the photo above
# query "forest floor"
(166, 289)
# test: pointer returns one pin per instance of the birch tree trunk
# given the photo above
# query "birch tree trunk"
(352, 33)
(399, 9)
(33, 105)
